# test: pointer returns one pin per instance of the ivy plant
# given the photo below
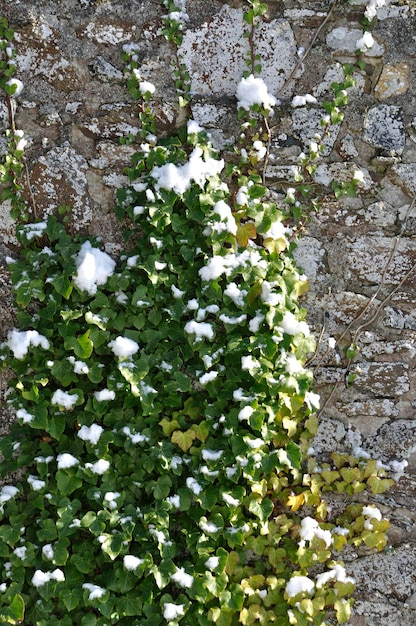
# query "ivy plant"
(164, 413)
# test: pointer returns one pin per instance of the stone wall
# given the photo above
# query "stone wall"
(359, 253)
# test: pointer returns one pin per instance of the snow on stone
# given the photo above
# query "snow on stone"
(66, 460)
(182, 578)
(178, 178)
(94, 268)
(35, 483)
(19, 341)
(365, 42)
(40, 578)
(99, 467)
(123, 347)
(252, 90)
(299, 584)
(94, 591)
(301, 101)
(199, 329)
(90, 433)
(24, 416)
(372, 7)
(131, 562)
(64, 399)
(291, 326)
(173, 611)
(310, 528)
(146, 87)
(104, 394)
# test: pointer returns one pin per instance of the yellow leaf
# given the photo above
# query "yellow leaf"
(245, 232)
(183, 439)
(295, 501)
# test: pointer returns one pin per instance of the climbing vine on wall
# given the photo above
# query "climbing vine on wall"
(164, 410)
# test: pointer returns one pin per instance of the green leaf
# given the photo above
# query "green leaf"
(71, 598)
(261, 508)
(67, 483)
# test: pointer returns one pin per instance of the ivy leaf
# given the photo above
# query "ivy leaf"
(245, 232)
(183, 439)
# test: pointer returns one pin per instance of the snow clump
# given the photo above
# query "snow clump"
(94, 268)
(251, 91)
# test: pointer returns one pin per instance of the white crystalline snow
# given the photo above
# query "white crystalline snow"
(172, 611)
(270, 297)
(293, 366)
(95, 591)
(255, 323)
(252, 90)
(15, 82)
(229, 499)
(40, 578)
(7, 492)
(218, 265)
(212, 562)
(337, 573)
(79, 366)
(227, 319)
(212, 455)
(99, 467)
(209, 527)
(123, 347)
(371, 512)
(193, 485)
(291, 326)
(35, 483)
(48, 551)
(208, 377)
(146, 87)
(182, 578)
(312, 400)
(66, 460)
(131, 562)
(228, 222)
(300, 101)
(372, 7)
(65, 399)
(174, 501)
(20, 552)
(236, 294)
(178, 178)
(104, 394)
(365, 42)
(248, 362)
(310, 528)
(299, 584)
(20, 341)
(90, 433)
(199, 329)
(24, 415)
(245, 413)
(255, 443)
(177, 293)
(94, 268)
(135, 437)
(277, 230)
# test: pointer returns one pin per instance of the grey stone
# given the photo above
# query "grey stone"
(384, 128)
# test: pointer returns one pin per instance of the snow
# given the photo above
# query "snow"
(300, 101)
(47, 551)
(104, 394)
(251, 91)
(123, 347)
(111, 498)
(174, 501)
(172, 611)
(291, 326)
(95, 591)
(199, 329)
(15, 82)
(193, 485)
(79, 366)
(228, 222)
(230, 500)
(268, 296)
(135, 437)
(146, 87)
(371, 9)
(25, 416)
(371, 513)
(20, 552)
(255, 323)
(299, 584)
(182, 578)
(365, 42)
(99, 467)
(64, 399)
(178, 178)
(212, 455)
(212, 562)
(90, 433)
(66, 460)
(177, 293)
(245, 413)
(40, 578)
(233, 320)
(94, 268)
(218, 265)
(248, 362)
(236, 294)
(19, 341)
(208, 377)
(36, 483)
(310, 528)
(336, 573)
(131, 562)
